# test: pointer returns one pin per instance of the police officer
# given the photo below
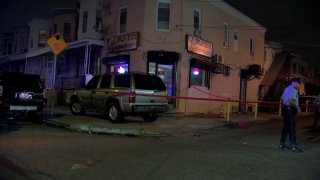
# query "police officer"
(290, 107)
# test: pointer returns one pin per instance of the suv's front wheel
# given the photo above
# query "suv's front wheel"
(150, 117)
(75, 108)
(114, 113)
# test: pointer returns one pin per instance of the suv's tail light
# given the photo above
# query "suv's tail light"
(132, 97)
(3, 102)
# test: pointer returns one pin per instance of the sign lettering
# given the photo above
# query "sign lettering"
(123, 42)
(198, 46)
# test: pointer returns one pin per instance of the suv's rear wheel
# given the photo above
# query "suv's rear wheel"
(75, 108)
(114, 113)
(3, 114)
(150, 117)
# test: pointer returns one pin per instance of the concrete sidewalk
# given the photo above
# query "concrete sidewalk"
(166, 124)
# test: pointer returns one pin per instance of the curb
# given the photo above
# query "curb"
(104, 130)
(143, 133)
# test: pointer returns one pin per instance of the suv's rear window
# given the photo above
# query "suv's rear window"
(23, 81)
(148, 82)
(122, 80)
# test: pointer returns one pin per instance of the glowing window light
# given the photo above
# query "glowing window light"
(121, 70)
(196, 71)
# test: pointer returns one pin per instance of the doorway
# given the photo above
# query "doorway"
(166, 73)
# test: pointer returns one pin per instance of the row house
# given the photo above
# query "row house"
(8, 49)
(80, 28)
(6, 44)
(284, 65)
(20, 39)
(202, 49)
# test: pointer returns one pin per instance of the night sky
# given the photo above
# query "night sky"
(293, 22)
(19, 12)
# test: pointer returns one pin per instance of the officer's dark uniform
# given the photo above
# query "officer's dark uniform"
(289, 112)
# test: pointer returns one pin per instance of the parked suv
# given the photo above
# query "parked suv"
(118, 95)
(21, 94)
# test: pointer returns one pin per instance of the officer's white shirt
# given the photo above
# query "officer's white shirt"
(290, 93)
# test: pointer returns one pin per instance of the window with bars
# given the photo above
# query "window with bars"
(236, 40)
(251, 46)
(123, 20)
(98, 25)
(163, 19)
(196, 22)
(66, 31)
(226, 35)
(85, 22)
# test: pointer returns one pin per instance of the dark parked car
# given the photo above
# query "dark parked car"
(21, 94)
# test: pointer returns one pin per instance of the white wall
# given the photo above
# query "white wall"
(35, 26)
(90, 6)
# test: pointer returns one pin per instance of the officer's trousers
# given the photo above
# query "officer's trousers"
(289, 125)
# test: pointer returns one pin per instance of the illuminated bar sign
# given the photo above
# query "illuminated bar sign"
(123, 42)
(198, 46)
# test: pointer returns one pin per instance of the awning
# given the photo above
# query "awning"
(121, 59)
(205, 64)
(163, 56)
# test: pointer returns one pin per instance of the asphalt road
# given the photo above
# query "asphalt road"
(37, 151)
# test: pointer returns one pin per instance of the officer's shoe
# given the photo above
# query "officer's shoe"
(296, 149)
(282, 146)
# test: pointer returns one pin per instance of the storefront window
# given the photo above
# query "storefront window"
(200, 76)
(196, 76)
(119, 68)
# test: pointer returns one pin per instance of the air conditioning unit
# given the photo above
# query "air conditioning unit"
(255, 69)
(215, 58)
(226, 43)
(226, 71)
(218, 69)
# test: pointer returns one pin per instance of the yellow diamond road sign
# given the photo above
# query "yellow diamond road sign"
(56, 43)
